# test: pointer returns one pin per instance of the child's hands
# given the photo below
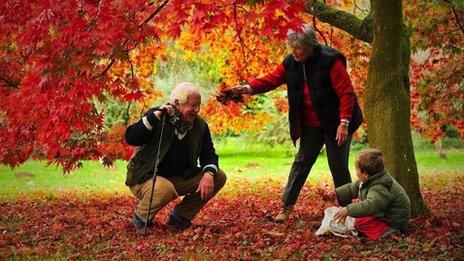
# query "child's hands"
(341, 215)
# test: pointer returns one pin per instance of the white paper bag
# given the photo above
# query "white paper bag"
(329, 225)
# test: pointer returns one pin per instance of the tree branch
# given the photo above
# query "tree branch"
(106, 69)
(318, 31)
(361, 29)
(126, 115)
(10, 83)
(95, 20)
(238, 30)
(132, 67)
(356, 7)
(426, 60)
(155, 12)
(455, 12)
(144, 22)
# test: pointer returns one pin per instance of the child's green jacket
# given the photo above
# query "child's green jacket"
(380, 196)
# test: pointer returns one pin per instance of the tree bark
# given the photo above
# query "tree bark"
(387, 100)
(386, 97)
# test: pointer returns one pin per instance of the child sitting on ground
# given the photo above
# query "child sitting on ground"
(383, 206)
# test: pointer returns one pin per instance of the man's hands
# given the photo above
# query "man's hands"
(341, 215)
(168, 108)
(206, 186)
(342, 134)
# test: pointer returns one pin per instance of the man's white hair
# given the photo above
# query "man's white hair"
(306, 38)
(181, 92)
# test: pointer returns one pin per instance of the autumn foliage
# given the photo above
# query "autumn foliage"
(60, 60)
(437, 74)
(114, 147)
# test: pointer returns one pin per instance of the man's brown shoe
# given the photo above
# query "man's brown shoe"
(284, 213)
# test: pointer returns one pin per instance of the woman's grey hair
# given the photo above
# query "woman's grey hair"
(306, 38)
(181, 92)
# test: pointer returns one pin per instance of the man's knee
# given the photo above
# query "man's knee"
(164, 190)
(163, 193)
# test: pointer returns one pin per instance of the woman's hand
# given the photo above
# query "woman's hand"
(242, 88)
(342, 134)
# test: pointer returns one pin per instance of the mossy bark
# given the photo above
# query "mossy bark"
(387, 99)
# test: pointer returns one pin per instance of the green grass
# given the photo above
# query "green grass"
(428, 160)
(37, 177)
(242, 161)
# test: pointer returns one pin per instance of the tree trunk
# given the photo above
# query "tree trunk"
(387, 100)
(386, 96)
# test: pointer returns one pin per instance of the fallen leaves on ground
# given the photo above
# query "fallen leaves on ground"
(229, 227)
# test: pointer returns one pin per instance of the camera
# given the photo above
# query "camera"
(174, 119)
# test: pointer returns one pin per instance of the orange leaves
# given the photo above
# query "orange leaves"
(281, 104)
(248, 52)
(225, 119)
(145, 57)
(57, 228)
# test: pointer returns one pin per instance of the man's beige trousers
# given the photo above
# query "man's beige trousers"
(168, 189)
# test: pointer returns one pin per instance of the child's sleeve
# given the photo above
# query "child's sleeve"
(347, 192)
(377, 200)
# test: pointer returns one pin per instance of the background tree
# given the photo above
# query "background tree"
(437, 75)
(59, 60)
(386, 96)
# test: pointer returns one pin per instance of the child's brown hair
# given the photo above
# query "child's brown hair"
(370, 161)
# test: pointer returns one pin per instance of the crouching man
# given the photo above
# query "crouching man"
(186, 140)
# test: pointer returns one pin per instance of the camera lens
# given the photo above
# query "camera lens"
(173, 120)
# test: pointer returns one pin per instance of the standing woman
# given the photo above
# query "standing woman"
(323, 109)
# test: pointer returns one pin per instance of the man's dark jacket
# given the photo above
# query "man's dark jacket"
(323, 96)
(141, 165)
